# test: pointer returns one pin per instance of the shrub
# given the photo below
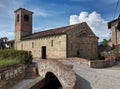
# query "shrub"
(21, 55)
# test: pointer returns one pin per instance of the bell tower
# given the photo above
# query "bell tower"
(23, 23)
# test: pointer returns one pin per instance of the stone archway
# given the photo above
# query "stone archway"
(63, 73)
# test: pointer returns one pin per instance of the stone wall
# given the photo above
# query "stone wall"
(82, 42)
(78, 60)
(88, 47)
(10, 76)
(55, 50)
(99, 64)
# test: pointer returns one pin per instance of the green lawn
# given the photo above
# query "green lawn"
(8, 63)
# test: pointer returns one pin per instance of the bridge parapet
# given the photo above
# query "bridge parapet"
(64, 73)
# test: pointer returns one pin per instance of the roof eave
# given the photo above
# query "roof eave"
(30, 38)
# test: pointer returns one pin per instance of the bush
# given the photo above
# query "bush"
(8, 63)
(22, 56)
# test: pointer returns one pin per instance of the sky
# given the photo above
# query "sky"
(57, 13)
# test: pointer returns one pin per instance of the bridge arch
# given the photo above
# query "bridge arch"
(51, 81)
(63, 73)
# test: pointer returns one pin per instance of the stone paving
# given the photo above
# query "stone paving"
(89, 78)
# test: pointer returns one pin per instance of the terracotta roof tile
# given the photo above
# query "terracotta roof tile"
(50, 32)
(10, 41)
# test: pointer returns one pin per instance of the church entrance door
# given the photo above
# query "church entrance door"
(43, 52)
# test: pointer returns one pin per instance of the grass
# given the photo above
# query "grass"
(8, 63)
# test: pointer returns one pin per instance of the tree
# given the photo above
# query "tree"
(105, 42)
(3, 42)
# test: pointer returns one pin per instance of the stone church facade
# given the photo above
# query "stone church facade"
(76, 40)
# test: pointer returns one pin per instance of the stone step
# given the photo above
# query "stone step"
(32, 65)
(31, 69)
(30, 75)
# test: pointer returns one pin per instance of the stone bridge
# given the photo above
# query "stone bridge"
(64, 73)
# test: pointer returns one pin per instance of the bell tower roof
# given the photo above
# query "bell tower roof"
(23, 10)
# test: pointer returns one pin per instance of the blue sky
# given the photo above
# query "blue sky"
(56, 13)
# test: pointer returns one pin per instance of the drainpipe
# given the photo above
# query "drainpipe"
(110, 53)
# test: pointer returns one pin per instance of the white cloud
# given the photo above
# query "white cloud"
(95, 21)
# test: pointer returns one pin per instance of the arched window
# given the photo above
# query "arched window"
(17, 18)
(26, 18)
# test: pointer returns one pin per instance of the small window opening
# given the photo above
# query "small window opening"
(32, 44)
(17, 18)
(51, 43)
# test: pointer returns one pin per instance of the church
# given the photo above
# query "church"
(76, 40)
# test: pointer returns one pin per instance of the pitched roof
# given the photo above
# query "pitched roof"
(109, 23)
(10, 41)
(51, 32)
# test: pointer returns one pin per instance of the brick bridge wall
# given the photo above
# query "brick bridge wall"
(64, 73)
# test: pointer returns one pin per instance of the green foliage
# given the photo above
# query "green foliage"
(102, 55)
(105, 41)
(115, 52)
(8, 63)
(22, 56)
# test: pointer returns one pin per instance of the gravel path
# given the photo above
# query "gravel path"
(89, 78)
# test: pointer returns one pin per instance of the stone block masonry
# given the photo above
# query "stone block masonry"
(99, 64)
(10, 76)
